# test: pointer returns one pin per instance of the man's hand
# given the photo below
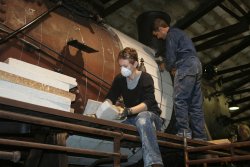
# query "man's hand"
(173, 71)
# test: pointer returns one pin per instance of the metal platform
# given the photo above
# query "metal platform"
(60, 122)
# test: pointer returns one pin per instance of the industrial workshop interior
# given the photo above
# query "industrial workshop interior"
(61, 61)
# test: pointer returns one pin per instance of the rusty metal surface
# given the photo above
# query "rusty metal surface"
(54, 31)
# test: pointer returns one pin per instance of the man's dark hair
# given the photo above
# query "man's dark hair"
(158, 22)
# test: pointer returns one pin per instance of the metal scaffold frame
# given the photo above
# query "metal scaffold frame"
(87, 126)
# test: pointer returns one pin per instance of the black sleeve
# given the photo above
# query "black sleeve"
(148, 93)
(115, 90)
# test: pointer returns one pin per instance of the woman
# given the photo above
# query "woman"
(141, 109)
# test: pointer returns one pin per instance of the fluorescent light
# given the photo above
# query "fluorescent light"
(232, 108)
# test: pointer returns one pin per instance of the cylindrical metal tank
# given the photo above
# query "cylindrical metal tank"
(94, 71)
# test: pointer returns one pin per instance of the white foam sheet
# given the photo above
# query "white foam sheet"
(39, 71)
(35, 77)
(33, 96)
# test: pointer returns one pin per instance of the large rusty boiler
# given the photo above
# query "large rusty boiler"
(50, 36)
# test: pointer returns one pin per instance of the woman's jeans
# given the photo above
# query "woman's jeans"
(147, 123)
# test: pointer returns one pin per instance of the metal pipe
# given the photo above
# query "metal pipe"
(220, 159)
(81, 129)
(63, 149)
(13, 34)
(77, 128)
(173, 145)
(185, 148)
(56, 124)
(117, 149)
(221, 146)
(14, 156)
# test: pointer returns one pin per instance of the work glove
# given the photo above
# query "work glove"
(125, 113)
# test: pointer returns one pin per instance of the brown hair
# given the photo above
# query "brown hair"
(128, 54)
(159, 23)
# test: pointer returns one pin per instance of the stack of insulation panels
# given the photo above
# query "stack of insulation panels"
(32, 84)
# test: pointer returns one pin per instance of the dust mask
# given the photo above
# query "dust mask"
(125, 72)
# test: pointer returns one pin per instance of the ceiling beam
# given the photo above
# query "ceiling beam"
(232, 87)
(229, 12)
(237, 6)
(220, 38)
(231, 52)
(115, 6)
(204, 8)
(221, 31)
(241, 67)
(235, 76)
(241, 119)
(231, 40)
(105, 1)
(237, 92)
(236, 85)
(242, 100)
(241, 110)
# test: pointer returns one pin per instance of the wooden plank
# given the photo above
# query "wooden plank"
(36, 85)
(35, 77)
(41, 71)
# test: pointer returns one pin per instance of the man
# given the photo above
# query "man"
(141, 109)
(182, 62)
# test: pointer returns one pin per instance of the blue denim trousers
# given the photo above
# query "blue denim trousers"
(147, 123)
(188, 105)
